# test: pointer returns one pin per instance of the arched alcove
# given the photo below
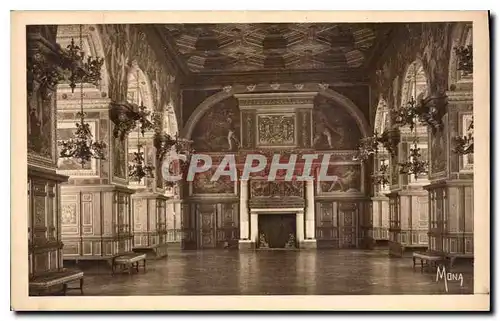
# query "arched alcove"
(170, 125)
(334, 96)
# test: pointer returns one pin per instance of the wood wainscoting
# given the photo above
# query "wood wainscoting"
(340, 223)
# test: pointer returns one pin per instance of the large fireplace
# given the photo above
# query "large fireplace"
(277, 231)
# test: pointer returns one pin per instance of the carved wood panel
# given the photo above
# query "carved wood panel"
(227, 223)
(348, 220)
(206, 225)
(337, 224)
(264, 188)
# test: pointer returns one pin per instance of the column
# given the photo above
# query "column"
(244, 210)
(310, 214)
(300, 227)
(178, 220)
(254, 227)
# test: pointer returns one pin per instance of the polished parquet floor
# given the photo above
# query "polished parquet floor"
(229, 272)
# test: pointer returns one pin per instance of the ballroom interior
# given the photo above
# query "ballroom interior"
(391, 103)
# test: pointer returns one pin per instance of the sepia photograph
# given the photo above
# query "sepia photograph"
(252, 157)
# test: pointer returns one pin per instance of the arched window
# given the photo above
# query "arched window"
(138, 93)
(415, 83)
(415, 86)
(170, 121)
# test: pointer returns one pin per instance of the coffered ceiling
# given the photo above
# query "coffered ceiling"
(219, 49)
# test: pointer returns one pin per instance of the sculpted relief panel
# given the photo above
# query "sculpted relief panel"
(264, 188)
(203, 184)
(334, 127)
(219, 128)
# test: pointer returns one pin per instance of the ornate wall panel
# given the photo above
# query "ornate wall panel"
(44, 222)
(96, 224)
(276, 130)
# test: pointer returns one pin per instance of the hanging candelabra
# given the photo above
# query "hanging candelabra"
(367, 146)
(77, 68)
(138, 169)
(414, 165)
(82, 147)
(464, 55)
(127, 116)
(381, 176)
(428, 111)
(464, 145)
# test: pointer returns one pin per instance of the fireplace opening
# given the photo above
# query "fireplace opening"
(277, 231)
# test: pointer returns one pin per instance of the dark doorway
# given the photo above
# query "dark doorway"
(277, 231)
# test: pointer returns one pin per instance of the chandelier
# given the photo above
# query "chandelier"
(367, 146)
(408, 116)
(381, 176)
(414, 165)
(138, 169)
(82, 147)
(80, 69)
(464, 55)
(464, 145)
(428, 111)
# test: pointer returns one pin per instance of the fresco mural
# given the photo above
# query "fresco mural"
(219, 128)
(438, 152)
(347, 179)
(119, 158)
(334, 127)
(40, 109)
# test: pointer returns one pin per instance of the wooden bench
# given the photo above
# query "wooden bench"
(428, 259)
(40, 285)
(129, 261)
(452, 257)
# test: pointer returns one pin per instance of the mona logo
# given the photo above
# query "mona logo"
(441, 274)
